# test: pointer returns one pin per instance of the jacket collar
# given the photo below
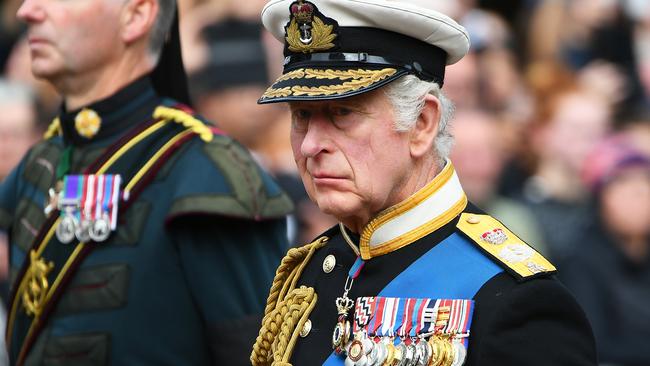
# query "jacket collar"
(427, 210)
(111, 116)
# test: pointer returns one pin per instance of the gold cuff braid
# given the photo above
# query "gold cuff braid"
(287, 309)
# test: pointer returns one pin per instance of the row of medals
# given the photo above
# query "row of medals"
(84, 230)
(361, 350)
(381, 351)
(70, 227)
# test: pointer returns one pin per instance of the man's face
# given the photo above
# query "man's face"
(71, 37)
(352, 161)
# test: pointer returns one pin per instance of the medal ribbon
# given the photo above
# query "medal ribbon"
(356, 268)
(363, 311)
(358, 308)
(402, 317)
(390, 315)
(443, 316)
(414, 319)
(89, 202)
(71, 191)
(97, 211)
(410, 317)
(465, 321)
(453, 314)
(115, 198)
(378, 315)
(433, 313)
(84, 197)
(108, 194)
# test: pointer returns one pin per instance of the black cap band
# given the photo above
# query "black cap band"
(362, 45)
(330, 60)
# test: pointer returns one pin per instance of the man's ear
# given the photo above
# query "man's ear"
(424, 132)
(138, 18)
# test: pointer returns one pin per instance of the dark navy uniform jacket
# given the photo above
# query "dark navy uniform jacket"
(182, 281)
(430, 246)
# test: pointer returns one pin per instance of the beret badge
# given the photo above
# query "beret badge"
(307, 32)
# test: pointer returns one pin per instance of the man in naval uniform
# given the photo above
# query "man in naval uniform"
(414, 274)
(139, 234)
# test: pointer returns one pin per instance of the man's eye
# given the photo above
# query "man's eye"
(340, 111)
(301, 114)
(299, 119)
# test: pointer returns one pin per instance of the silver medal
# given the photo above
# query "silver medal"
(65, 231)
(425, 351)
(82, 231)
(460, 353)
(408, 355)
(417, 354)
(382, 354)
(373, 354)
(368, 345)
(100, 229)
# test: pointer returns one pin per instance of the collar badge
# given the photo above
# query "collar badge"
(87, 123)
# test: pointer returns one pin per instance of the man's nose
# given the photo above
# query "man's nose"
(31, 11)
(315, 140)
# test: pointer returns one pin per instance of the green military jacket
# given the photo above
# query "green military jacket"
(185, 274)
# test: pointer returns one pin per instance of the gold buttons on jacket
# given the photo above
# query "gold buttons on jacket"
(306, 328)
(329, 263)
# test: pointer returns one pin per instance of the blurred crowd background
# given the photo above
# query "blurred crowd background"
(552, 132)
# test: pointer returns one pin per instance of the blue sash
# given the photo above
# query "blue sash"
(453, 269)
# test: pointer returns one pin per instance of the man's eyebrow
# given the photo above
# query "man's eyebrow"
(359, 105)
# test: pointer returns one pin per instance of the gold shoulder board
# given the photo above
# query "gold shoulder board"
(517, 257)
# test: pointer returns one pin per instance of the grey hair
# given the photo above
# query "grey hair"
(162, 26)
(406, 95)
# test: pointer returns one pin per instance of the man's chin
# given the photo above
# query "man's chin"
(43, 71)
(338, 209)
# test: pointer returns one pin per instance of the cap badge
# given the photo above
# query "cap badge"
(307, 32)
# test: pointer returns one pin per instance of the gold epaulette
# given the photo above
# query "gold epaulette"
(287, 308)
(187, 120)
(517, 257)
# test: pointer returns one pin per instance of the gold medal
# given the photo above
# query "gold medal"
(356, 350)
(390, 349)
(398, 356)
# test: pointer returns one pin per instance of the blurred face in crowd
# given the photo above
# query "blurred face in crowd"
(477, 154)
(462, 82)
(69, 38)
(577, 124)
(236, 111)
(625, 203)
(17, 134)
(351, 160)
